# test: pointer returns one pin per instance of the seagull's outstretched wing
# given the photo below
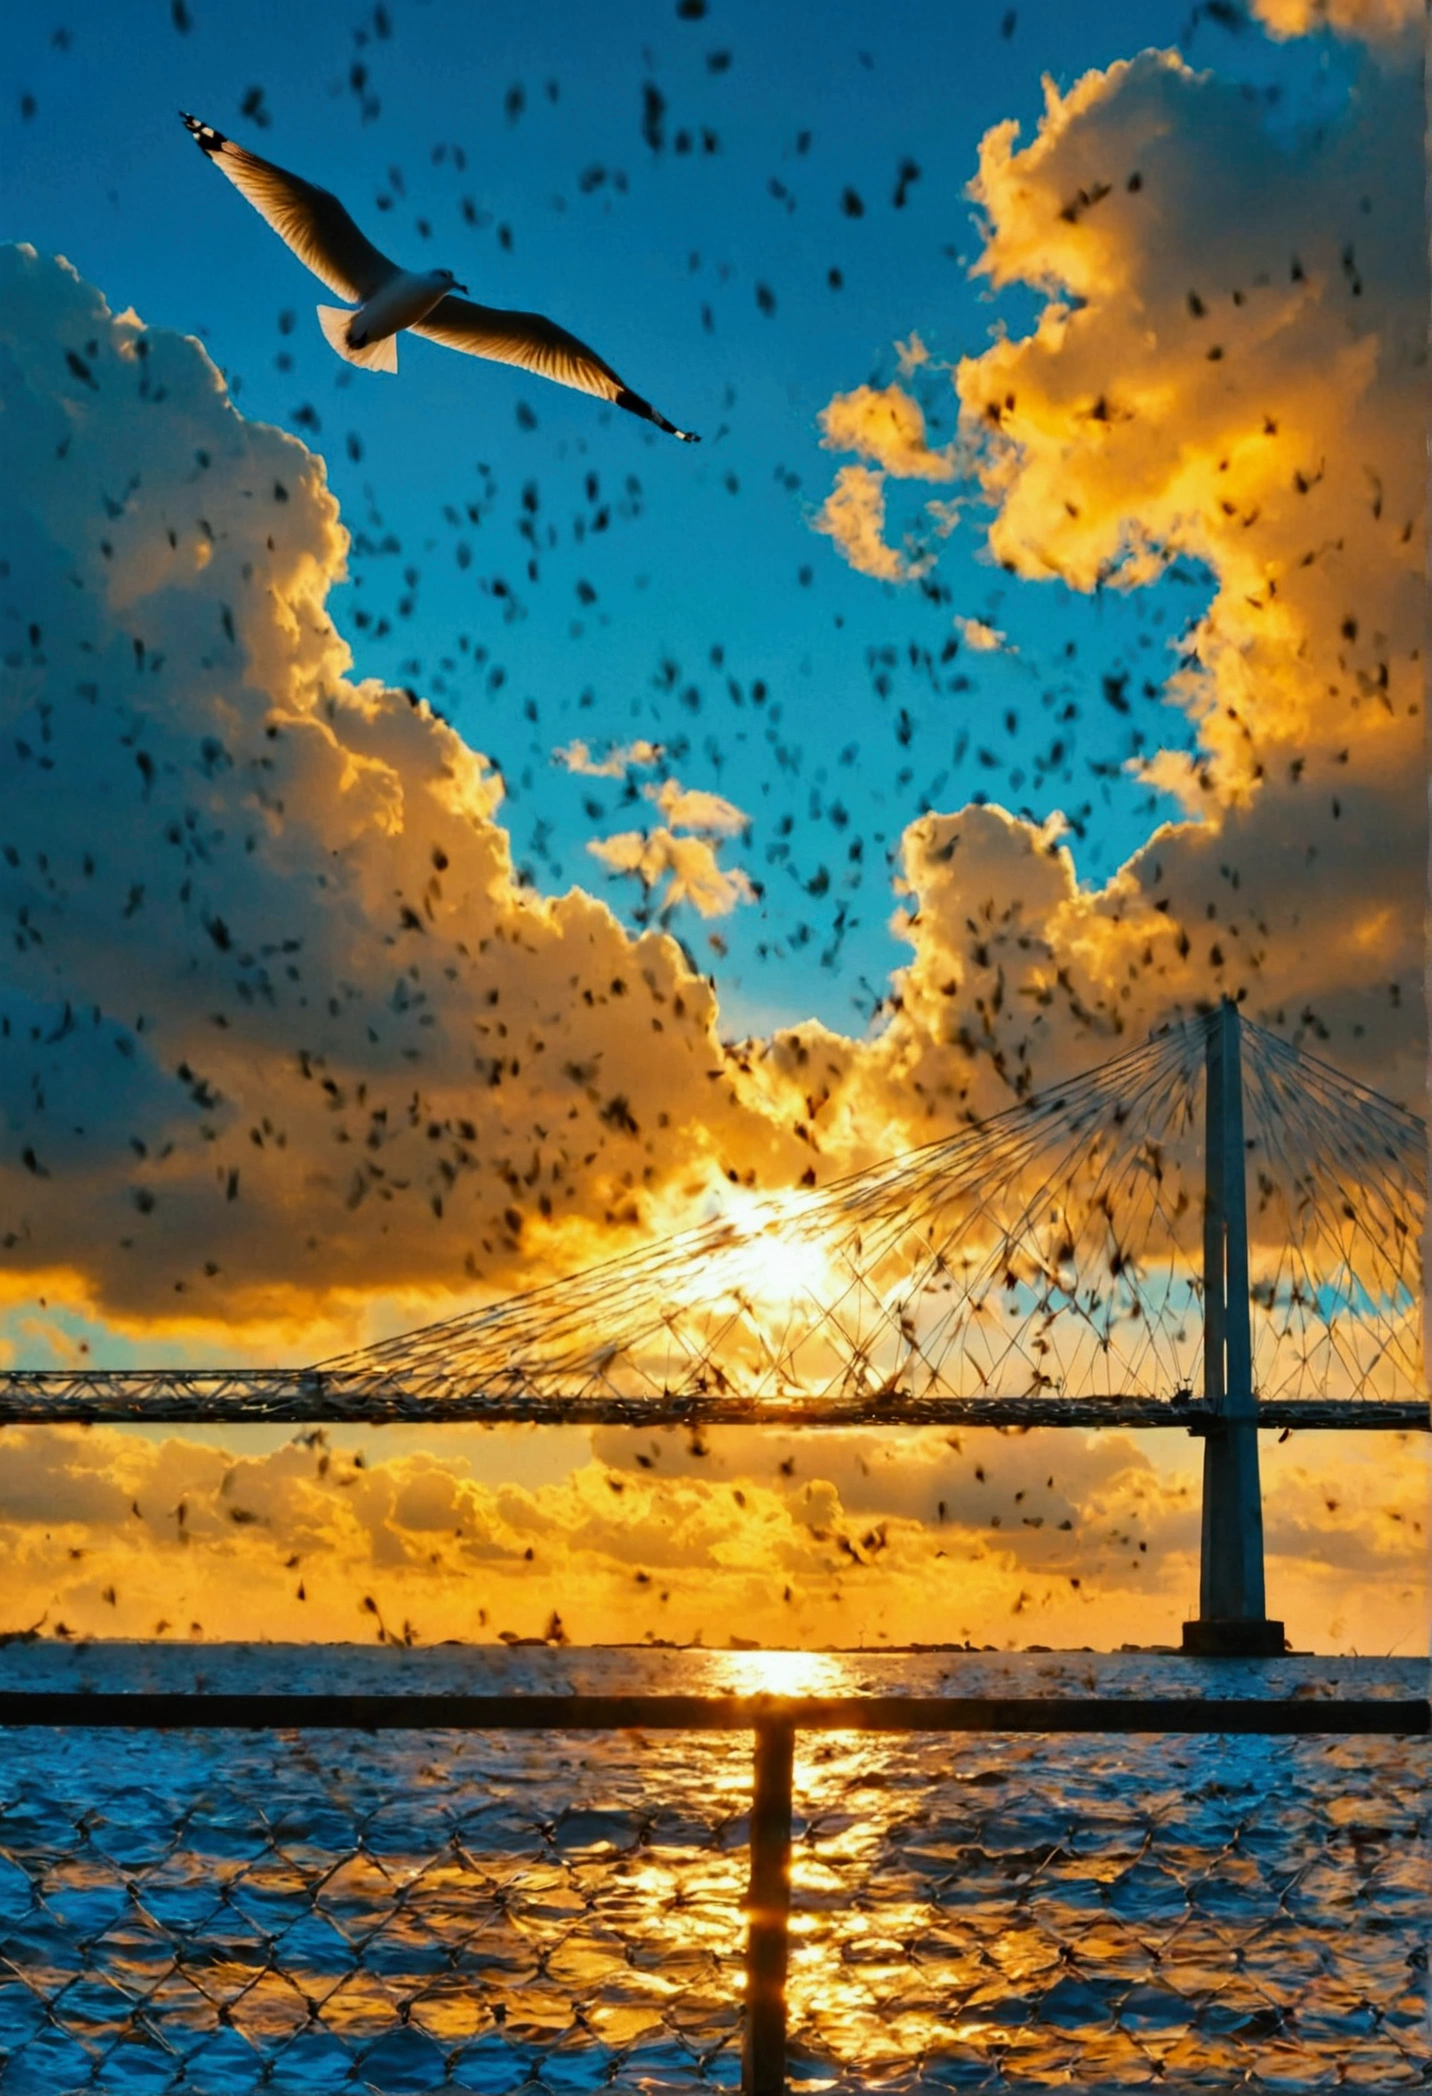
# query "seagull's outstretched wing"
(537, 345)
(311, 220)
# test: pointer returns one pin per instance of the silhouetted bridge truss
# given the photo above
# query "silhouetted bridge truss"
(1048, 1266)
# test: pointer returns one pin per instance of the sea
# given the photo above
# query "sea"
(316, 1911)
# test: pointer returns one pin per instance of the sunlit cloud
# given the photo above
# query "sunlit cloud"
(1223, 371)
(853, 514)
(886, 426)
(613, 764)
(323, 1014)
(911, 355)
(341, 955)
(687, 865)
(693, 808)
(1372, 20)
(782, 1539)
(980, 635)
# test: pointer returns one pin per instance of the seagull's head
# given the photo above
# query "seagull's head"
(448, 281)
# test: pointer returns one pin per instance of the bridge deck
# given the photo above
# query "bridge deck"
(304, 1397)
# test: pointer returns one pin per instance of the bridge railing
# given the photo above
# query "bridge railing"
(292, 1892)
(306, 1396)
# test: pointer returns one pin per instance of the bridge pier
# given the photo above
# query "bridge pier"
(1233, 1620)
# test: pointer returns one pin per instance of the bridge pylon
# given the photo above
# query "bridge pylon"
(1232, 1620)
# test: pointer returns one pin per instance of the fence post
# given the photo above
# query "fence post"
(768, 1905)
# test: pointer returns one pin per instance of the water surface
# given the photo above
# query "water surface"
(325, 1911)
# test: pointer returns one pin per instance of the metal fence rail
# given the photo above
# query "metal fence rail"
(774, 1721)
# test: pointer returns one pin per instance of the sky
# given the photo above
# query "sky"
(713, 549)
(458, 831)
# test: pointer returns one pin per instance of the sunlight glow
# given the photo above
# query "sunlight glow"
(776, 1267)
(786, 1673)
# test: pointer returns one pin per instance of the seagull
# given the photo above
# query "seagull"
(315, 225)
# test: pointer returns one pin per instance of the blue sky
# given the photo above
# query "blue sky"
(673, 586)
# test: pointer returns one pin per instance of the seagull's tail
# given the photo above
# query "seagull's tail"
(381, 355)
(635, 405)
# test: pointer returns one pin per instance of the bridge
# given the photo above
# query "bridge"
(1214, 1231)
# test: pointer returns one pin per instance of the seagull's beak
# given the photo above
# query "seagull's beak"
(458, 287)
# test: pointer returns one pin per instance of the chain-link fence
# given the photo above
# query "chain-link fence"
(321, 1911)
(1115, 1914)
(313, 1911)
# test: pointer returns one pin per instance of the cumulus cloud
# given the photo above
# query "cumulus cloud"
(980, 635)
(842, 1538)
(1371, 20)
(853, 514)
(281, 1029)
(617, 761)
(1228, 366)
(693, 808)
(885, 425)
(688, 866)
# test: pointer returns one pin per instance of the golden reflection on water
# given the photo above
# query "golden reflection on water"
(850, 1956)
(784, 1674)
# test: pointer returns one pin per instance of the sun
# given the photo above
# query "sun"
(771, 1261)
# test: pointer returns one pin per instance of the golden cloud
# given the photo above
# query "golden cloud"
(331, 1047)
(1227, 368)
(981, 636)
(618, 760)
(799, 1539)
(886, 425)
(1371, 20)
(688, 865)
(853, 514)
(693, 808)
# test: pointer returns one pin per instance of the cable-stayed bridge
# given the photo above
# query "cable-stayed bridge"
(1046, 1266)
(1213, 1230)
